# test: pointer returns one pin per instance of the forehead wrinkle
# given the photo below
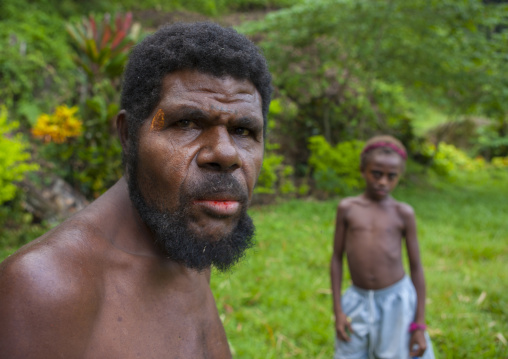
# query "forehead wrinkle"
(228, 89)
(184, 97)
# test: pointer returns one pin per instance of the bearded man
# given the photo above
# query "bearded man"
(128, 277)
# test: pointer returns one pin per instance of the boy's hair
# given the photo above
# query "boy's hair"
(382, 144)
(201, 46)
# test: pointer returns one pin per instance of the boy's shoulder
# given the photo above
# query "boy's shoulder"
(404, 209)
(349, 201)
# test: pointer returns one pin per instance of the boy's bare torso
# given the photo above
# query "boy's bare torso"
(373, 241)
(81, 292)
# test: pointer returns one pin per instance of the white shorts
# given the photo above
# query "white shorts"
(380, 320)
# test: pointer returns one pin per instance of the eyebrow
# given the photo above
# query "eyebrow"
(186, 111)
(249, 122)
(194, 112)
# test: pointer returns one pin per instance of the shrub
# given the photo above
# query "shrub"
(500, 162)
(13, 158)
(335, 169)
(448, 160)
(275, 177)
(91, 162)
(35, 66)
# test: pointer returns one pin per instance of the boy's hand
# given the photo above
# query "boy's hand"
(343, 327)
(417, 344)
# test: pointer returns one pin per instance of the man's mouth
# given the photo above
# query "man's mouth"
(219, 207)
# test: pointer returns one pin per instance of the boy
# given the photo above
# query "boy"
(383, 314)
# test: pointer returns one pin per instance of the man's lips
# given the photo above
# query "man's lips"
(219, 207)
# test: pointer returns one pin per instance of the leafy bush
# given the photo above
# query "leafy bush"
(500, 162)
(490, 143)
(35, 67)
(102, 44)
(207, 7)
(448, 159)
(13, 158)
(92, 161)
(275, 177)
(268, 175)
(335, 169)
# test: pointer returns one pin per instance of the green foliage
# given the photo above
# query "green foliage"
(16, 226)
(490, 143)
(207, 7)
(317, 71)
(268, 175)
(449, 160)
(500, 162)
(275, 177)
(336, 169)
(92, 162)
(354, 68)
(243, 5)
(13, 157)
(103, 44)
(36, 70)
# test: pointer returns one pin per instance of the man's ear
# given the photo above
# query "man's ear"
(122, 130)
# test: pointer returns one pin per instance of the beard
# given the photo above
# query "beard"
(171, 228)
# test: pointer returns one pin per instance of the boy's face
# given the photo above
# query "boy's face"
(382, 173)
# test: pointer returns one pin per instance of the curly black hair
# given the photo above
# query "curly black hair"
(203, 46)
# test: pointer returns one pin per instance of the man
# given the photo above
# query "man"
(128, 277)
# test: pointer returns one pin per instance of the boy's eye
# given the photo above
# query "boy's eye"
(376, 174)
(392, 176)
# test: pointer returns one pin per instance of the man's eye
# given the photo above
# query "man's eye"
(185, 124)
(241, 131)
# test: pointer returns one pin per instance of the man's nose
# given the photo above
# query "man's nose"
(219, 151)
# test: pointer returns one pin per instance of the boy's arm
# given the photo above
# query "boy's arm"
(417, 277)
(341, 322)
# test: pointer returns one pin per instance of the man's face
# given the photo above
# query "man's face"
(197, 160)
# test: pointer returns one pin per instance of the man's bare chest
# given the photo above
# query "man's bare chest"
(154, 325)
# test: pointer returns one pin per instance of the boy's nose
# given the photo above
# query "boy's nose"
(383, 180)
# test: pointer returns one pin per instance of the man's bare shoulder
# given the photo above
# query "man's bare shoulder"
(50, 283)
(54, 266)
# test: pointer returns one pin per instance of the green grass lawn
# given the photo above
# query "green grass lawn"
(277, 303)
